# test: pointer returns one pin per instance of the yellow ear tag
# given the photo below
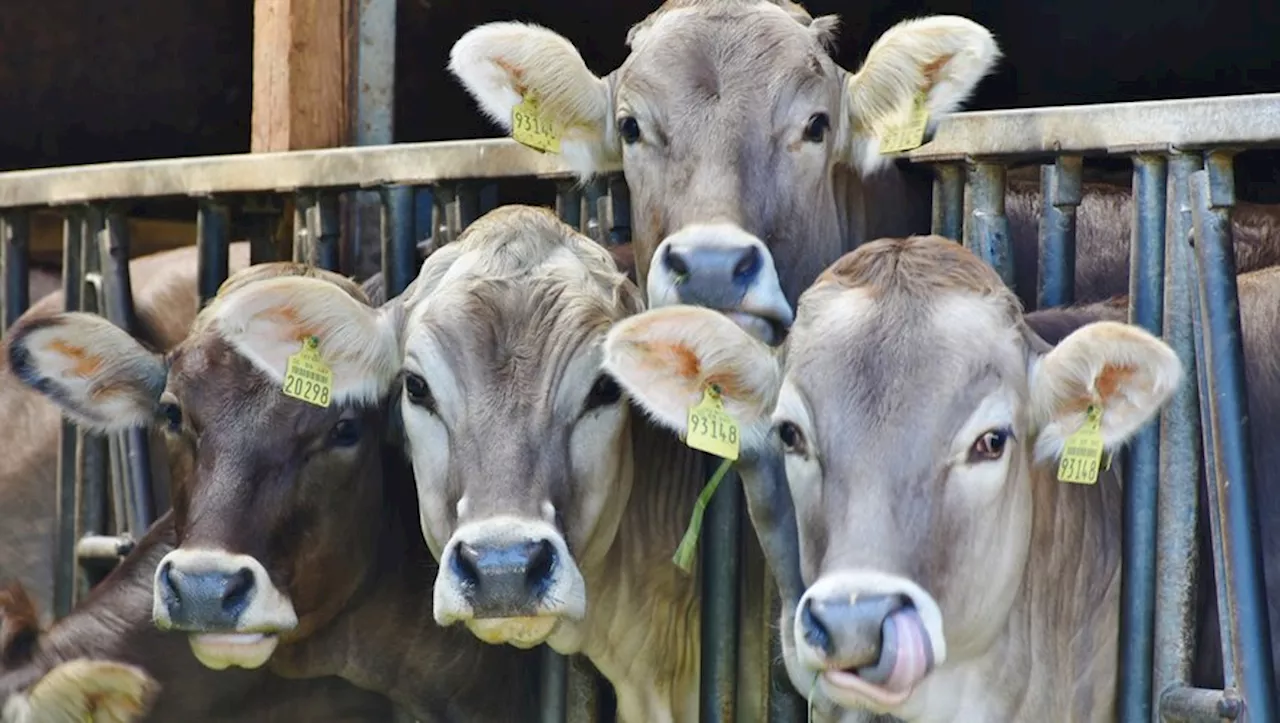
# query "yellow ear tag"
(532, 129)
(909, 135)
(1082, 452)
(307, 377)
(711, 429)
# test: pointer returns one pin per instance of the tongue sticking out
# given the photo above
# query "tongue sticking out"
(905, 658)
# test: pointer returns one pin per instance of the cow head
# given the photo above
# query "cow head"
(520, 445)
(744, 145)
(274, 498)
(920, 419)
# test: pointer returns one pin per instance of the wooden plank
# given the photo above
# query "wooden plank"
(301, 66)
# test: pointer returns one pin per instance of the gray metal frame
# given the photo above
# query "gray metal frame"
(1181, 152)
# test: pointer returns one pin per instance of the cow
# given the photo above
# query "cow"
(295, 544)
(753, 160)
(165, 299)
(919, 420)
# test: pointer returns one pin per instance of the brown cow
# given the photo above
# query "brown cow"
(298, 539)
(753, 159)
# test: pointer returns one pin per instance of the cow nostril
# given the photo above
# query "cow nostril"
(748, 266)
(815, 633)
(541, 562)
(235, 596)
(166, 580)
(464, 562)
(676, 263)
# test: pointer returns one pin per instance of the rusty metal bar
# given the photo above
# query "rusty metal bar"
(1249, 635)
(1060, 186)
(17, 265)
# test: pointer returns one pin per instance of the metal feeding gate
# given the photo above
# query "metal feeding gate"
(1182, 287)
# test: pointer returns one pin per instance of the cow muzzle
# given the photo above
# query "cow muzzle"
(721, 267)
(509, 580)
(871, 638)
(227, 603)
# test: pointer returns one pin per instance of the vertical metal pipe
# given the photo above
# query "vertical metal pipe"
(987, 233)
(17, 265)
(569, 203)
(620, 210)
(1213, 195)
(213, 237)
(1177, 551)
(719, 568)
(303, 241)
(591, 196)
(463, 207)
(64, 579)
(114, 250)
(399, 252)
(948, 200)
(1142, 476)
(1060, 195)
(259, 216)
(324, 231)
(444, 221)
(554, 670)
(92, 473)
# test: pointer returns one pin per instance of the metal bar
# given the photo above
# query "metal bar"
(1197, 704)
(619, 210)
(591, 195)
(324, 231)
(987, 233)
(399, 252)
(1154, 127)
(554, 670)
(461, 204)
(569, 203)
(1060, 186)
(1213, 195)
(104, 547)
(1177, 551)
(213, 237)
(948, 201)
(719, 568)
(1142, 476)
(92, 474)
(64, 578)
(303, 244)
(114, 248)
(259, 215)
(17, 266)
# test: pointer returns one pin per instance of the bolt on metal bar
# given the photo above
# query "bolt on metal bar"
(1177, 550)
(64, 578)
(1213, 195)
(17, 265)
(213, 239)
(1197, 704)
(1060, 185)
(399, 252)
(114, 249)
(948, 201)
(1142, 473)
(987, 230)
(719, 568)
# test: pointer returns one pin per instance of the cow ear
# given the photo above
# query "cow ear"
(272, 320)
(1122, 370)
(943, 56)
(100, 377)
(666, 358)
(502, 64)
(81, 690)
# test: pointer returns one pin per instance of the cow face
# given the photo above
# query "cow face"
(745, 147)
(520, 444)
(920, 420)
(274, 498)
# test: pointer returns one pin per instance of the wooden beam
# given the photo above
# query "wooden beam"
(301, 67)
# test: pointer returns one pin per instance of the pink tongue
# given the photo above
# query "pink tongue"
(912, 661)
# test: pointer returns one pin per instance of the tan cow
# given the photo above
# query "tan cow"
(949, 575)
(753, 160)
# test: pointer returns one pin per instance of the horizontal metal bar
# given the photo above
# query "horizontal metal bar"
(1181, 703)
(103, 547)
(347, 167)
(1151, 126)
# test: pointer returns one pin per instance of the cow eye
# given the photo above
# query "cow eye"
(346, 433)
(791, 437)
(419, 394)
(629, 129)
(171, 414)
(603, 393)
(815, 131)
(990, 446)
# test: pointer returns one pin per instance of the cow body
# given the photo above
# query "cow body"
(296, 547)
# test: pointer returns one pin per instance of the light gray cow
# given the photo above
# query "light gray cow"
(948, 574)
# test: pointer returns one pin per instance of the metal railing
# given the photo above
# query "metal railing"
(1184, 291)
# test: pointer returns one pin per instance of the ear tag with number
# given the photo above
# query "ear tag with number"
(1082, 453)
(711, 429)
(307, 377)
(530, 128)
(909, 134)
